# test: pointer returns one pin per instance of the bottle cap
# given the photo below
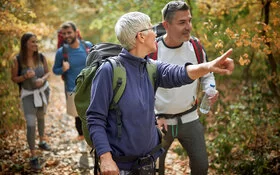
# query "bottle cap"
(212, 85)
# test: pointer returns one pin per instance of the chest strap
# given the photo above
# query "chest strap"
(169, 116)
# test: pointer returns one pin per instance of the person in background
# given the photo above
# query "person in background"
(134, 152)
(176, 109)
(70, 68)
(30, 70)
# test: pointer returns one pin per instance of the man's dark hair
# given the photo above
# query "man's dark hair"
(69, 24)
(171, 8)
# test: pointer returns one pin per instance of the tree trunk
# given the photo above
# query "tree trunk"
(272, 82)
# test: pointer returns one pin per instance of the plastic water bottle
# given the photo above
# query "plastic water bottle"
(205, 103)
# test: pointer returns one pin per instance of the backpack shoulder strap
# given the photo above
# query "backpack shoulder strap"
(65, 49)
(119, 82)
(42, 58)
(19, 70)
(65, 52)
(119, 79)
(197, 49)
(152, 71)
(87, 48)
(19, 64)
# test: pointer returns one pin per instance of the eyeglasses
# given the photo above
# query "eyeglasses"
(150, 28)
(153, 28)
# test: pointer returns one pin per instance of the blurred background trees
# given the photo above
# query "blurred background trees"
(242, 130)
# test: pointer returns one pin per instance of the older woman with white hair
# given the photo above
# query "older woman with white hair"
(136, 151)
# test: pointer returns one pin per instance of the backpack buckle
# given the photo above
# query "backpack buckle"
(147, 160)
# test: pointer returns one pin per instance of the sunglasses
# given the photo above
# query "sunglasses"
(171, 5)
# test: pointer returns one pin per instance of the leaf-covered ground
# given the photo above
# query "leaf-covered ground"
(65, 157)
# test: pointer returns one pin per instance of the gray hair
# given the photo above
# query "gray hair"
(129, 25)
(171, 8)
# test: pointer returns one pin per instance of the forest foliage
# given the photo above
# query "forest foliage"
(246, 126)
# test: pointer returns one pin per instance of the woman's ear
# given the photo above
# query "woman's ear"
(140, 37)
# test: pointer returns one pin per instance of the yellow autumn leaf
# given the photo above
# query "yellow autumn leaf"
(205, 36)
(266, 28)
(3, 63)
(243, 61)
(274, 4)
(238, 43)
(246, 43)
(32, 14)
(276, 21)
(219, 44)
(267, 51)
(269, 40)
(231, 34)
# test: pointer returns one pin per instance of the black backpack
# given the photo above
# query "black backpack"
(102, 51)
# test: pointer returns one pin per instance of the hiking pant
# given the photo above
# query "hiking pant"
(31, 114)
(191, 137)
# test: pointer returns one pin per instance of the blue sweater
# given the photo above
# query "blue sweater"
(139, 133)
(77, 60)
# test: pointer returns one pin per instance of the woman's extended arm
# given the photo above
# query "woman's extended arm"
(221, 65)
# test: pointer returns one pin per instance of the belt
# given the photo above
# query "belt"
(169, 116)
(141, 160)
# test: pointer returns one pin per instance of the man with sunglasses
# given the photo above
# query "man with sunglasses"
(176, 109)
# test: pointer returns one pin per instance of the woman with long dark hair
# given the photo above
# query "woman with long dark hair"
(30, 71)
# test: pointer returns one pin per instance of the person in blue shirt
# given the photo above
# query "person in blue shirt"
(76, 50)
(139, 132)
